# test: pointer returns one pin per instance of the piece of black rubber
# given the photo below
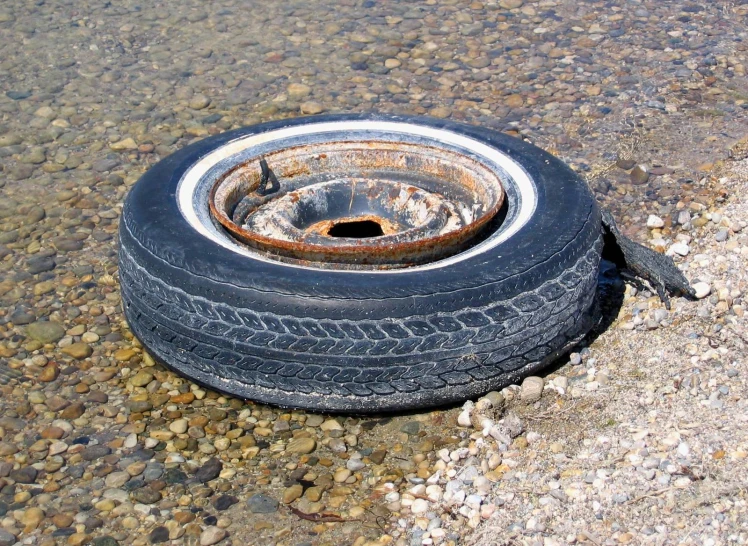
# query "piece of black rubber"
(351, 341)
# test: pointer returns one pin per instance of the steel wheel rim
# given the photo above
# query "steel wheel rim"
(206, 199)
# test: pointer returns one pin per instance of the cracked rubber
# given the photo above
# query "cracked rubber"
(355, 342)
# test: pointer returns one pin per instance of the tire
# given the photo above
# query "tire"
(361, 342)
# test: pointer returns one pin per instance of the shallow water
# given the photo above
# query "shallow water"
(94, 93)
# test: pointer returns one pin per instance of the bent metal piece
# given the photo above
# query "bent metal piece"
(374, 203)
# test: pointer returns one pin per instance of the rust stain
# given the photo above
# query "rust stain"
(478, 193)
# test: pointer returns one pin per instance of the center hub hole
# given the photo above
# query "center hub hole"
(357, 229)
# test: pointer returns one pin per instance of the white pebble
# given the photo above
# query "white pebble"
(419, 506)
(655, 221)
(702, 289)
(464, 418)
(681, 249)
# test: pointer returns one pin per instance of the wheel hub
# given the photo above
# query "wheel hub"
(357, 205)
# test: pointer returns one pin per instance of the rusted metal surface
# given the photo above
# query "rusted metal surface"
(429, 203)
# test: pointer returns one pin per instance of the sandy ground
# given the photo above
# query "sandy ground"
(649, 443)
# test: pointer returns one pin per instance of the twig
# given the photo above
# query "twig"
(553, 413)
(649, 495)
(320, 518)
(592, 539)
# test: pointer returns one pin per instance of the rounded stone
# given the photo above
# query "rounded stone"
(262, 504)
(212, 535)
(532, 389)
(302, 446)
(45, 331)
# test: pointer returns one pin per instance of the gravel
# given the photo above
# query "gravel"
(100, 444)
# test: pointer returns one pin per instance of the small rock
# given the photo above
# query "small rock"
(681, 249)
(6, 539)
(292, 493)
(27, 474)
(212, 535)
(532, 389)
(511, 4)
(298, 91)
(124, 145)
(341, 475)
(625, 164)
(702, 289)
(40, 264)
(311, 108)
(142, 378)
(146, 495)
(301, 446)
(314, 420)
(73, 411)
(105, 540)
(411, 428)
(463, 419)
(93, 453)
(496, 399)
(158, 535)
(419, 506)
(49, 373)
(655, 222)
(262, 504)
(330, 425)
(79, 351)
(639, 175)
(179, 426)
(209, 471)
(441, 112)
(224, 502)
(45, 331)
(198, 102)
(32, 518)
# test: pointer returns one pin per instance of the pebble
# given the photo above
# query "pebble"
(301, 446)
(45, 331)
(79, 351)
(158, 535)
(224, 502)
(419, 506)
(311, 108)
(141, 379)
(199, 102)
(330, 425)
(146, 495)
(261, 503)
(124, 145)
(639, 175)
(655, 222)
(681, 249)
(292, 493)
(209, 471)
(702, 290)
(6, 538)
(532, 389)
(212, 535)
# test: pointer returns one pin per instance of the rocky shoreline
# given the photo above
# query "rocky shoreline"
(638, 439)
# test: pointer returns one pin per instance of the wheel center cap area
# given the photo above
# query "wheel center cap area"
(357, 205)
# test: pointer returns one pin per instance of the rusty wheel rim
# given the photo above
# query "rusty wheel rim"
(352, 195)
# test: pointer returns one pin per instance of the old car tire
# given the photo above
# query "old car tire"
(359, 341)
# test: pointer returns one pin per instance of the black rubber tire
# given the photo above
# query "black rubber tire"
(354, 342)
